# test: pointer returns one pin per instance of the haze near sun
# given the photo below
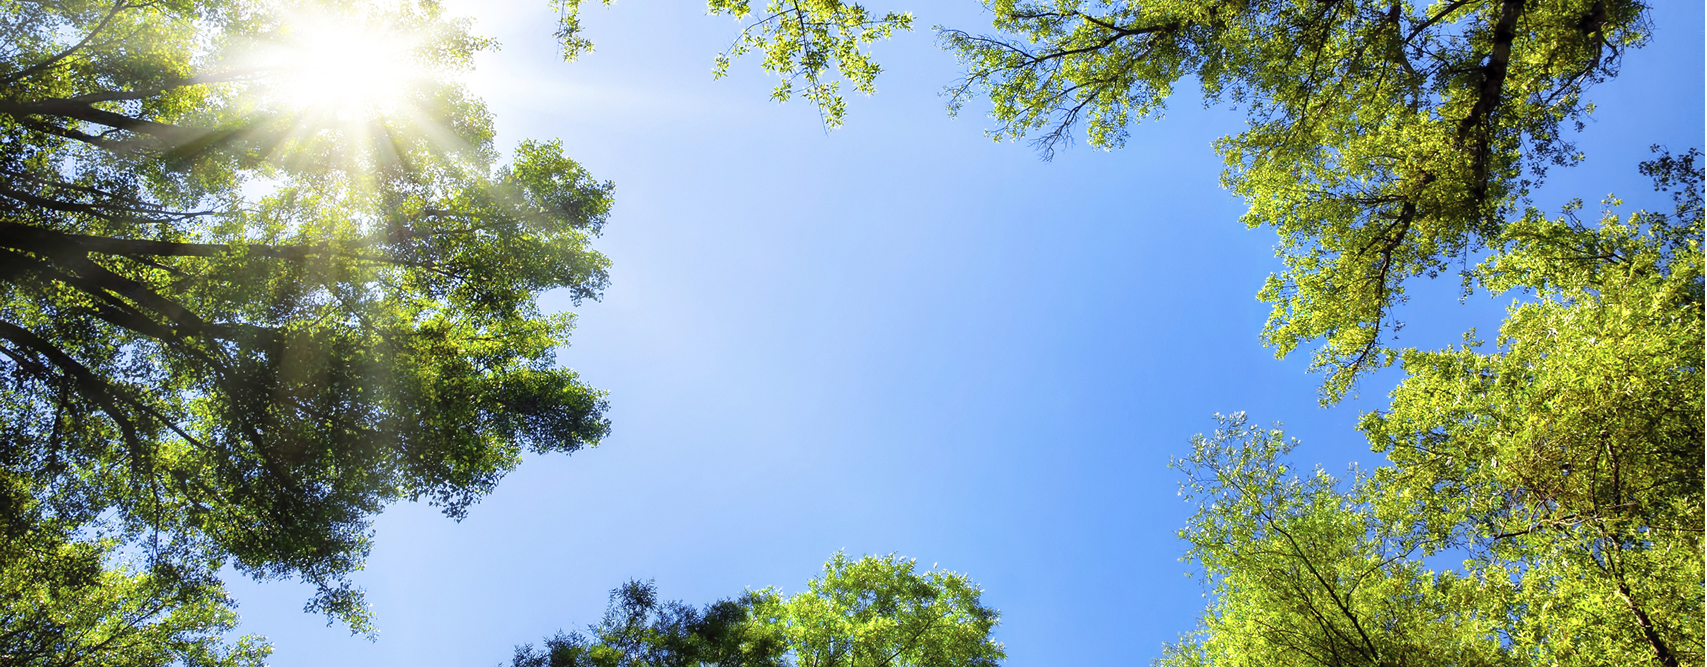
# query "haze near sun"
(348, 67)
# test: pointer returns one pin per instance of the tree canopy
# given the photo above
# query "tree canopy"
(871, 612)
(238, 317)
(1386, 141)
(1564, 466)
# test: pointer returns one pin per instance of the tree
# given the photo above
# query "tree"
(1303, 571)
(1575, 449)
(1387, 140)
(1566, 464)
(239, 315)
(873, 612)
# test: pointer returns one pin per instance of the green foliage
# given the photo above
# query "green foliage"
(569, 32)
(808, 40)
(235, 325)
(1386, 139)
(1305, 572)
(812, 45)
(1389, 141)
(1575, 447)
(873, 612)
(63, 602)
(878, 611)
(638, 630)
(1566, 464)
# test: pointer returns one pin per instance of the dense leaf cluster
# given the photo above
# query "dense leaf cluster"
(871, 612)
(639, 630)
(67, 605)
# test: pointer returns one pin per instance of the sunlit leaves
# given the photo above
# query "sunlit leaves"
(1385, 140)
(1574, 446)
(67, 602)
(812, 45)
(877, 611)
(809, 42)
(1303, 572)
(1562, 463)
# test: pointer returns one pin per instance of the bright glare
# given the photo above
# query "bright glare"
(344, 67)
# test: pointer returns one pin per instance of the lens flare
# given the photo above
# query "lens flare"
(343, 66)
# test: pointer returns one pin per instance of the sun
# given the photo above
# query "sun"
(345, 66)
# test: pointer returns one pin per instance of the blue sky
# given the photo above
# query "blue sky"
(895, 337)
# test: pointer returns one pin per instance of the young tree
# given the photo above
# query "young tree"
(877, 612)
(255, 285)
(873, 612)
(639, 630)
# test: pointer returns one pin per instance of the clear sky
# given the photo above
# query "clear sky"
(895, 337)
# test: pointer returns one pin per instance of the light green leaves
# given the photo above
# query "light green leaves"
(1564, 466)
(814, 46)
(79, 602)
(1385, 140)
(877, 612)
(1071, 63)
(1574, 447)
(1304, 572)
(807, 43)
(569, 35)
(871, 612)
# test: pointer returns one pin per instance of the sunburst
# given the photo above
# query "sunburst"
(351, 68)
